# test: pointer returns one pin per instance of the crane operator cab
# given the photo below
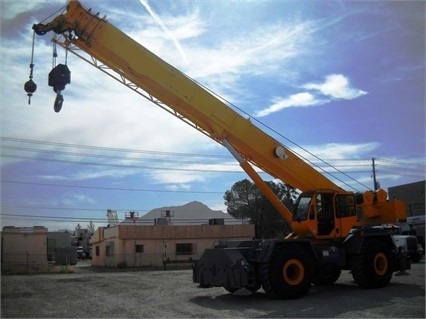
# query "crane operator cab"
(324, 214)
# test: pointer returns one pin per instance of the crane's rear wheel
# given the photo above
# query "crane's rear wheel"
(288, 273)
(372, 268)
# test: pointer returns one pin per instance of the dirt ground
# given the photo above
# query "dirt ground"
(89, 293)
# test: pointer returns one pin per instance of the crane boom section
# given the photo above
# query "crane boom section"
(186, 97)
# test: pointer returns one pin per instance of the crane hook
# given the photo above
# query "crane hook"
(57, 105)
(59, 77)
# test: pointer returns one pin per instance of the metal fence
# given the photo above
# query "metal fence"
(24, 262)
(148, 260)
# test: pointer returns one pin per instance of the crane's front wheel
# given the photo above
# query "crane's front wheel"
(372, 268)
(288, 274)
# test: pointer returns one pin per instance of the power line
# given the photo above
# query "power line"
(414, 168)
(119, 165)
(51, 218)
(95, 219)
(26, 149)
(103, 210)
(112, 149)
(398, 162)
(111, 188)
(405, 173)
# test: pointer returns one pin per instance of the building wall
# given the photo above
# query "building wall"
(413, 195)
(59, 249)
(57, 240)
(159, 243)
(24, 249)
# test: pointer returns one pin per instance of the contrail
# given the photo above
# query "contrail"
(163, 26)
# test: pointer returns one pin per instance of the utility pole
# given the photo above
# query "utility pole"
(376, 184)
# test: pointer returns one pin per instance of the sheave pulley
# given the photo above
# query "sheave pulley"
(58, 78)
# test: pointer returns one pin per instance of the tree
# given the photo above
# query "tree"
(245, 201)
(91, 227)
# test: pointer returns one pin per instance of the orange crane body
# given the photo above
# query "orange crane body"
(333, 229)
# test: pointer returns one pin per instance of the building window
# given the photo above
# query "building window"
(139, 248)
(109, 249)
(184, 249)
(97, 250)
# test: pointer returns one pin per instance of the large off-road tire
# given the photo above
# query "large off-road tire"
(288, 274)
(372, 268)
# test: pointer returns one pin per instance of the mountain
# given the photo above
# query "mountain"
(192, 213)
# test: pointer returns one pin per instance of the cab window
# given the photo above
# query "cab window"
(301, 211)
(345, 205)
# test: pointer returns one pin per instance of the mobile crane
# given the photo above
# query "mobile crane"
(333, 229)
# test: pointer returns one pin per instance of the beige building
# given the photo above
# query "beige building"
(133, 245)
(24, 248)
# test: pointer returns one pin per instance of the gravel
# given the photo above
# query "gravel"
(90, 293)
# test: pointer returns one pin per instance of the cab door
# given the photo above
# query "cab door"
(325, 215)
(346, 213)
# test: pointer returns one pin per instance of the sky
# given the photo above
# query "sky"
(337, 82)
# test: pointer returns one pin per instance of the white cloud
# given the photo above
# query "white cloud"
(76, 199)
(11, 8)
(262, 51)
(342, 150)
(160, 22)
(193, 173)
(345, 164)
(295, 100)
(336, 86)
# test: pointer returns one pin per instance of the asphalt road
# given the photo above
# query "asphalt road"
(171, 294)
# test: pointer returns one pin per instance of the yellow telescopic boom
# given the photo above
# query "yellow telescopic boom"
(195, 105)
